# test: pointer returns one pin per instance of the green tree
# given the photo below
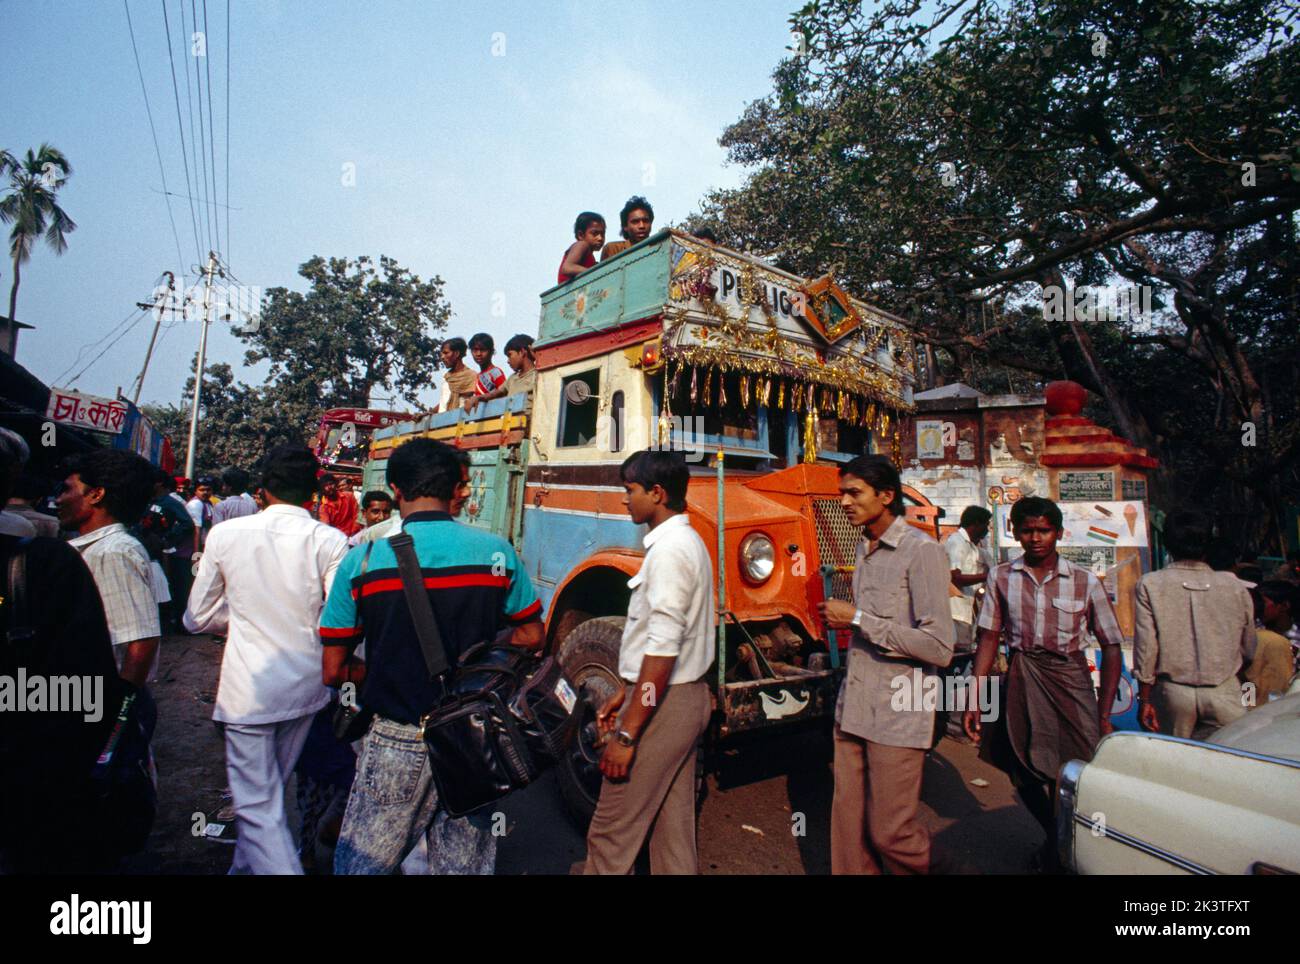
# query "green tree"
(237, 423)
(32, 208)
(958, 162)
(355, 330)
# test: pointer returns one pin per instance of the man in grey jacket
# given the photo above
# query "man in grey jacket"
(903, 632)
(1195, 631)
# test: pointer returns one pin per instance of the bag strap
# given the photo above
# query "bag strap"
(426, 627)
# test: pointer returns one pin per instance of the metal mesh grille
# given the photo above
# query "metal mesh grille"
(837, 543)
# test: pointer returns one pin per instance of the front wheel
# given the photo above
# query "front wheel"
(589, 656)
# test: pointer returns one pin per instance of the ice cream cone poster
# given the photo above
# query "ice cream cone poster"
(1096, 524)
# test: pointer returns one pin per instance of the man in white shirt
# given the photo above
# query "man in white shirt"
(200, 509)
(649, 761)
(379, 519)
(106, 490)
(262, 581)
(969, 565)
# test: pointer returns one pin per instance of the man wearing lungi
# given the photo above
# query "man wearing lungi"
(1044, 606)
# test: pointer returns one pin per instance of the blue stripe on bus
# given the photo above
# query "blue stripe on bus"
(555, 543)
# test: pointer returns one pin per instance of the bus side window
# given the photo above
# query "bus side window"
(579, 395)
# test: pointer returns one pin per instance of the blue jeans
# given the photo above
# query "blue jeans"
(394, 803)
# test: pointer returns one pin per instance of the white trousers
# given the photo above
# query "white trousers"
(259, 759)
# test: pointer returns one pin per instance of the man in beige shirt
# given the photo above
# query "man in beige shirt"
(903, 633)
(458, 382)
(1195, 630)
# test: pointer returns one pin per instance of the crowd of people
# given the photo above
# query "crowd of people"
(302, 582)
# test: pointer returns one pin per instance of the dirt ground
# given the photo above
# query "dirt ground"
(766, 811)
(190, 756)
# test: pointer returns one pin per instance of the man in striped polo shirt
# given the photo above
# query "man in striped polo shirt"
(1044, 606)
(478, 588)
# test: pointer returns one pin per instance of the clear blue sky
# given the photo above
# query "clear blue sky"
(467, 165)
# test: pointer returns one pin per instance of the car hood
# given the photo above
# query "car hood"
(1272, 730)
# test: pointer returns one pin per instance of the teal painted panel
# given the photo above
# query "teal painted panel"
(629, 286)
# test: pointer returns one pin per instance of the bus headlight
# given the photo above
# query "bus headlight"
(757, 558)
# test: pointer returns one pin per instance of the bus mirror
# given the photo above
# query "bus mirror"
(577, 392)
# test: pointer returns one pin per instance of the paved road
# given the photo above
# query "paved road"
(747, 822)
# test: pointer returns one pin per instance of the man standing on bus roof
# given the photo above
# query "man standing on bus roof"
(636, 218)
(902, 628)
(458, 382)
(667, 647)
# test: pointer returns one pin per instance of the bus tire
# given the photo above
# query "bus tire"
(589, 655)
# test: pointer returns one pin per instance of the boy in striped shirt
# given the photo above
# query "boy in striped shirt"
(1045, 607)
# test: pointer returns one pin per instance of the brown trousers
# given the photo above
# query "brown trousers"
(874, 811)
(658, 796)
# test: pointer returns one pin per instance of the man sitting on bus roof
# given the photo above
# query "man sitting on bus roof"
(636, 218)
(458, 382)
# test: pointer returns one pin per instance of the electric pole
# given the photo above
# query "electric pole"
(208, 273)
(158, 309)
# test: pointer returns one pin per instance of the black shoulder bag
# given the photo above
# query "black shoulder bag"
(501, 719)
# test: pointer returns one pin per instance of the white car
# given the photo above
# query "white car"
(1153, 804)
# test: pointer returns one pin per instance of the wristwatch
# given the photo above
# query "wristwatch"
(625, 738)
(858, 616)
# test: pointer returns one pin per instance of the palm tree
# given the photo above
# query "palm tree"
(31, 207)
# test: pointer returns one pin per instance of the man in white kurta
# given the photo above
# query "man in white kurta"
(263, 580)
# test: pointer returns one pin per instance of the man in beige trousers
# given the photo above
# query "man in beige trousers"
(649, 761)
(1195, 631)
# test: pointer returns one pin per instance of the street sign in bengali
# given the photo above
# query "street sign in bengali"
(86, 411)
(1085, 486)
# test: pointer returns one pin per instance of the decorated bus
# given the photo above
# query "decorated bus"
(766, 382)
(343, 438)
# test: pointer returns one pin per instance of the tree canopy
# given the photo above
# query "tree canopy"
(32, 207)
(956, 162)
(354, 332)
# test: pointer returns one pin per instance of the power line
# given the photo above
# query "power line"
(87, 347)
(212, 138)
(204, 147)
(227, 247)
(108, 347)
(205, 218)
(188, 197)
(198, 247)
(180, 259)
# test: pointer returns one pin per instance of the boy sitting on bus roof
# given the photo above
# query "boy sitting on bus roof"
(589, 229)
(490, 376)
(519, 353)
